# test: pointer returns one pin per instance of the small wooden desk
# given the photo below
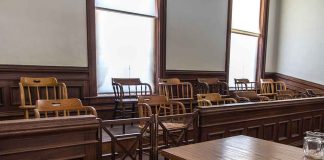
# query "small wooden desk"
(235, 148)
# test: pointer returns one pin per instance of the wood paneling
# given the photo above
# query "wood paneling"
(50, 138)
(293, 83)
(280, 121)
(76, 79)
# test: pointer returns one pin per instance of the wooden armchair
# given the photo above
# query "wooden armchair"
(63, 107)
(285, 94)
(314, 92)
(245, 85)
(249, 96)
(158, 104)
(126, 91)
(210, 98)
(32, 89)
(176, 90)
(212, 85)
(268, 88)
(139, 140)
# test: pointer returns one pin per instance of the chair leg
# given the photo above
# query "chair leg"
(133, 110)
(26, 113)
(115, 110)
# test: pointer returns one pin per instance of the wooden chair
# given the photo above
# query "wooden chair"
(314, 92)
(268, 88)
(285, 94)
(176, 90)
(176, 129)
(210, 98)
(249, 96)
(32, 89)
(63, 107)
(126, 91)
(134, 147)
(245, 85)
(160, 105)
(212, 85)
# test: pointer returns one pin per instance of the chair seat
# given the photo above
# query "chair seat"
(28, 107)
(173, 125)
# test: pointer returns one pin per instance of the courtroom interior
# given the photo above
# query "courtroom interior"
(161, 79)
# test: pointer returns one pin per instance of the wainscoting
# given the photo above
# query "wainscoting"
(76, 79)
(293, 83)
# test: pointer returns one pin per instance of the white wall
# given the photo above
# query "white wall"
(43, 32)
(196, 35)
(301, 42)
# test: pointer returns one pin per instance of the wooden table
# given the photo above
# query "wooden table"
(235, 148)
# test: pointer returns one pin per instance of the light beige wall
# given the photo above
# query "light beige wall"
(196, 35)
(43, 32)
(301, 42)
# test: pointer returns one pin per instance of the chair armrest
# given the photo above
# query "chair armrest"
(91, 109)
(230, 100)
(178, 103)
(264, 98)
(203, 102)
(141, 109)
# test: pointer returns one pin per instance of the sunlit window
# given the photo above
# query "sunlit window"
(244, 39)
(125, 47)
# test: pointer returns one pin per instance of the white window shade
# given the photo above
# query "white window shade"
(245, 15)
(145, 7)
(125, 48)
(243, 57)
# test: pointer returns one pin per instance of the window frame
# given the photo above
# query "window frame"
(91, 25)
(262, 38)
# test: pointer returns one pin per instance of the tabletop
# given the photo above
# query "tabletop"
(235, 148)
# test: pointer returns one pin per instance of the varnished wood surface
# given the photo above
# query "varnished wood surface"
(49, 138)
(235, 148)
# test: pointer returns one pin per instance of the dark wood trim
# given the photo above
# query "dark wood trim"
(193, 75)
(262, 48)
(125, 12)
(163, 33)
(42, 69)
(294, 83)
(228, 38)
(91, 33)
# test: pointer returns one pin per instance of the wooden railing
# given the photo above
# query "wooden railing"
(280, 121)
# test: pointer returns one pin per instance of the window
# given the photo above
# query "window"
(125, 41)
(246, 34)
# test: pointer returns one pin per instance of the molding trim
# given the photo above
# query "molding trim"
(42, 69)
(193, 75)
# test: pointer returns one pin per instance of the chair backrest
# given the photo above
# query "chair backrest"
(314, 92)
(250, 96)
(32, 89)
(133, 149)
(280, 86)
(173, 88)
(285, 94)
(208, 80)
(158, 104)
(209, 98)
(267, 86)
(212, 85)
(244, 84)
(63, 107)
(130, 88)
